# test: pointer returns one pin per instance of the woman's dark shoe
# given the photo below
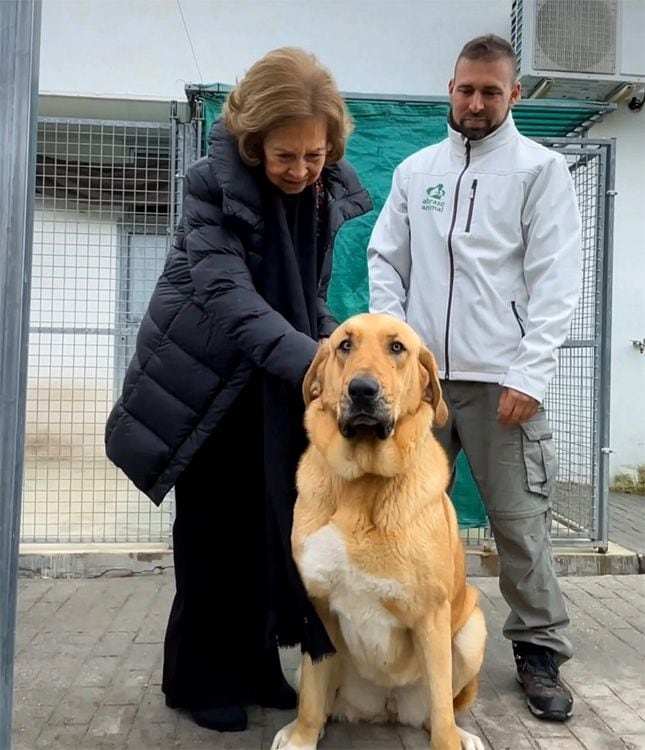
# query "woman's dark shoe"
(271, 690)
(221, 719)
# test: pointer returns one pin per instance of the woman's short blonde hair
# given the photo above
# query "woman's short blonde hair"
(286, 84)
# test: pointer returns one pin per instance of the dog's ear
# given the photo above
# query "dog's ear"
(313, 383)
(433, 388)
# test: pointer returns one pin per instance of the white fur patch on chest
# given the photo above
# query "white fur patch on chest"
(354, 595)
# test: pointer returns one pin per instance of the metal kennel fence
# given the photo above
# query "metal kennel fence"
(578, 397)
(101, 233)
(108, 195)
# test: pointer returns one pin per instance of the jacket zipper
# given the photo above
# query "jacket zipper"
(473, 192)
(517, 317)
(452, 257)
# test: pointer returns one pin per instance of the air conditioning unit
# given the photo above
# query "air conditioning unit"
(579, 49)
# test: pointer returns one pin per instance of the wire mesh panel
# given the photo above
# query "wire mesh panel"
(100, 240)
(107, 195)
(578, 397)
(577, 400)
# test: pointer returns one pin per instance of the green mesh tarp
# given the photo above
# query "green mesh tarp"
(385, 133)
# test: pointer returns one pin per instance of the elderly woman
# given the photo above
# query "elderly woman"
(211, 402)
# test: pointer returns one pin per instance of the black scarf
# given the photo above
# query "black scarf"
(290, 268)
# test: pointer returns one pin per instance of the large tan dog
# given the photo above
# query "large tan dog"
(376, 542)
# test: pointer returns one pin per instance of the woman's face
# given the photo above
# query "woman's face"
(294, 154)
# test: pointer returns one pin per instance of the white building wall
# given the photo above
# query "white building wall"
(628, 309)
(139, 49)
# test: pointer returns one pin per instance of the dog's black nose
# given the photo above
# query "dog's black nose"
(363, 389)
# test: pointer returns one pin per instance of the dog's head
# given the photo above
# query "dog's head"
(372, 376)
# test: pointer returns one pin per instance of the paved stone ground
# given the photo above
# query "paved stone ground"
(89, 659)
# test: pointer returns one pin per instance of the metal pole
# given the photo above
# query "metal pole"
(19, 60)
(199, 119)
(605, 300)
(173, 172)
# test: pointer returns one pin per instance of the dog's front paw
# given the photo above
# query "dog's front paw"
(469, 741)
(282, 740)
(283, 736)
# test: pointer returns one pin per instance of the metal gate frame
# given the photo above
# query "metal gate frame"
(580, 153)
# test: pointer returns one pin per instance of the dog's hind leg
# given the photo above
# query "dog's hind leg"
(359, 699)
(468, 647)
(467, 658)
(466, 696)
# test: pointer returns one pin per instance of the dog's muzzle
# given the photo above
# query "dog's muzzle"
(364, 412)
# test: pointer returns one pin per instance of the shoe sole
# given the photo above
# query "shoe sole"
(553, 716)
(239, 727)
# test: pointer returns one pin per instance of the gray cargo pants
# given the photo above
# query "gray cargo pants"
(515, 469)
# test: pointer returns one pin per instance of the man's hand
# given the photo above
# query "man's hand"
(515, 407)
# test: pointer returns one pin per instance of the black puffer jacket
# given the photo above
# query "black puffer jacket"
(207, 328)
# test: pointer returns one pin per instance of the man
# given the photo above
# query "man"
(478, 247)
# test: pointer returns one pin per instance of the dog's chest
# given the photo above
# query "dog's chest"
(354, 595)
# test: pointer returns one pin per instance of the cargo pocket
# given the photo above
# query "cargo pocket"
(540, 460)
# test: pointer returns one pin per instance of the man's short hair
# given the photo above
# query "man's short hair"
(489, 47)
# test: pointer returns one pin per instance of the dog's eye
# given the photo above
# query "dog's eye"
(345, 345)
(396, 347)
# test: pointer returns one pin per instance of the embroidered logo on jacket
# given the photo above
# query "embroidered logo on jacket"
(434, 198)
